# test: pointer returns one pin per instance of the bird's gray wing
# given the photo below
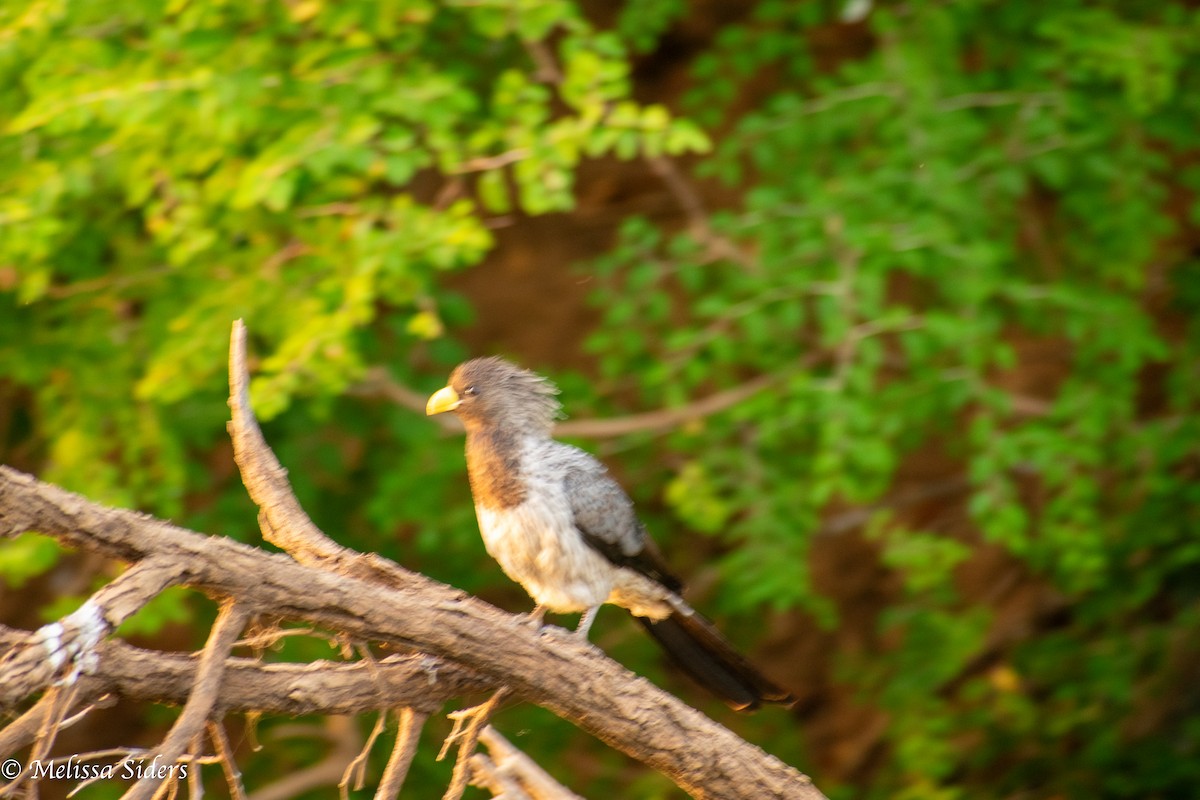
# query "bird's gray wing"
(605, 518)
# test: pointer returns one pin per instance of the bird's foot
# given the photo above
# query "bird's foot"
(536, 618)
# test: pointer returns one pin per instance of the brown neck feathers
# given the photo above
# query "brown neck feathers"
(494, 468)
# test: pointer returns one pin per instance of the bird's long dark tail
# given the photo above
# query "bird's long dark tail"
(699, 649)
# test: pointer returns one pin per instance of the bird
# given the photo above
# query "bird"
(561, 527)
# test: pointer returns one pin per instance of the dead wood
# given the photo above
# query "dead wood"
(456, 643)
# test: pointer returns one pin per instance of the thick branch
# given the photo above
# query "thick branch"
(319, 687)
(553, 669)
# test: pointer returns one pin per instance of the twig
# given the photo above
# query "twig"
(250, 731)
(128, 755)
(25, 728)
(195, 784)
(356, 770)
(699, 226)
(667, 419)
(483, 163)
(225, 631)
(329, 210)
(547, 66)
(95, 755)
(403, 751)
(857, 517)
(270, 636)
(468, 723)
(233, 778)
(51, 709)
(534, 781)
(167, 789)
(104, 701)
(293, 249)
(63, 698)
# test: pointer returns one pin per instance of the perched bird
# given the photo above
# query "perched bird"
(561, 527)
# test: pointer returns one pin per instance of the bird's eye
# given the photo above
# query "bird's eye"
(470, 391)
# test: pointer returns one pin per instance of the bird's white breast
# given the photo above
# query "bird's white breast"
(537, 545)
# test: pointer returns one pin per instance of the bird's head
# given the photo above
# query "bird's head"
(490, 392)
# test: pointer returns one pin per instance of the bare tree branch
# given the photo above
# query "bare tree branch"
(281, 518)
(360, 598)
(67, 647)
(324, 687)
(203, 699)
(486, 775)
(283, 522)
(552, 668)
(355, 772)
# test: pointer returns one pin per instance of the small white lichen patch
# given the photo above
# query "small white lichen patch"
(75, 639)
(51, 639)
(89, 620)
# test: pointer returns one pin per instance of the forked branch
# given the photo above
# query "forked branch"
(455, 643)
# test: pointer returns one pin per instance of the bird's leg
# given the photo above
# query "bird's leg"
(537, 616)
(585, 622)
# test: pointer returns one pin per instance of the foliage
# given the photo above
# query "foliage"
(311, 167)
(167, 168)
(26, 556)
(992, 181)
(925, 217)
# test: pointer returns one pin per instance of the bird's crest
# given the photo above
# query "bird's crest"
(525, 394)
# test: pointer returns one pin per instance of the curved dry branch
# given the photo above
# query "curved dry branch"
(369, 599)
(552, 668)
(283, 521)
(281, 518)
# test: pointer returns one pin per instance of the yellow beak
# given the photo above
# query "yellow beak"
(444, 399)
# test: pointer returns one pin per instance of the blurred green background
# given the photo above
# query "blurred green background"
(938, 264)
